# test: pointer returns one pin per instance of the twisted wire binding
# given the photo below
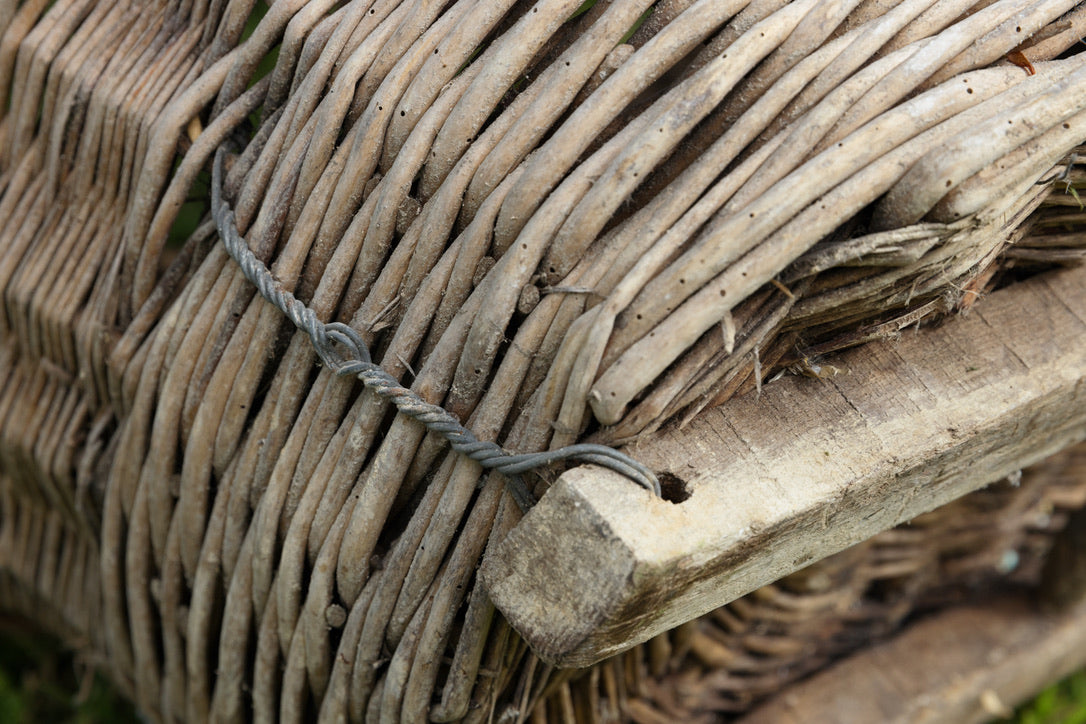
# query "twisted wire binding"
(355, 360)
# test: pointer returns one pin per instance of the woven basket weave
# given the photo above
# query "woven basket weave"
(560, 221)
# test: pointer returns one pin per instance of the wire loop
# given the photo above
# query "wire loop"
(342, 349)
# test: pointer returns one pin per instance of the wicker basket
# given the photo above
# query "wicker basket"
(560, 221)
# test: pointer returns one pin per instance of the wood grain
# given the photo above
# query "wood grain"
(964, 666)
(806, 469)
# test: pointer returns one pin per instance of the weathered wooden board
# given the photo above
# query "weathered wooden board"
(966, 665)
(801, 471)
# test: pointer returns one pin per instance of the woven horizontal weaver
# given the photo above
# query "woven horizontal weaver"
(560, 221)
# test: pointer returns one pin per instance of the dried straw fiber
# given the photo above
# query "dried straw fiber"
(560, 220)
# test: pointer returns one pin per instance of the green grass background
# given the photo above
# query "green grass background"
(1062, 703)
(41, 681)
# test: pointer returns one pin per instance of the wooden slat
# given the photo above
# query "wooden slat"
(964, 666)
(802, 471)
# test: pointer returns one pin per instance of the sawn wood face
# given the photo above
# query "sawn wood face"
(801, 471)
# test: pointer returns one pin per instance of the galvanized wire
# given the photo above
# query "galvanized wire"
(342, 349)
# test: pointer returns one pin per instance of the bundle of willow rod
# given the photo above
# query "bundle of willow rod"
(558, 220)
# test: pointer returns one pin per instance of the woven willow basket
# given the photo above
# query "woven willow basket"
(560, 221)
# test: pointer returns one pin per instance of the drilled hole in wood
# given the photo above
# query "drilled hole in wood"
(673, 488)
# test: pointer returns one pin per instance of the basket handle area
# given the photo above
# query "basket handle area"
(778, 480)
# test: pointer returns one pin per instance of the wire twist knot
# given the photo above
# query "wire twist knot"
(342, 349)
